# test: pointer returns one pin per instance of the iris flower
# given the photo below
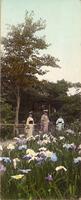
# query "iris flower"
(16, 138)
(5, 159)
(11, 147)
(30, 138)
(48, 153)
(77, 160)
(45, 141)
(2, 168)
(53, 157)
(79, 147)
(22, 147)
(17, 177)
(37, 136)
(69, 146)
(32, 158)
(39, 142)
(20, 140)
(25, 171)
(49, 177)
(45, 136)
(54, 140)
(61, 137)
(60, 168)
(30, 152)
(27, 157)
(42, 149)
(39, 159)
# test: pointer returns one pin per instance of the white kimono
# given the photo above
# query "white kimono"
(60, 124)
(29, 126)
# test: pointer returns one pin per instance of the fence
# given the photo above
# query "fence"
(10, 130)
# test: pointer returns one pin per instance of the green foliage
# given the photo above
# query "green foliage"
(7, 114)
(22, 47)
(7, 117)
(65, 184)
(49, 96)
(71, 108)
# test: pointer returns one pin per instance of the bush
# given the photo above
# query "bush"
(7, 117)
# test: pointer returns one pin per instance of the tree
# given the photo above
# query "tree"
(22, 59)
(7, 114)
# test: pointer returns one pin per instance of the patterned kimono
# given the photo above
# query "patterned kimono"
(44, 123)
(29, 126)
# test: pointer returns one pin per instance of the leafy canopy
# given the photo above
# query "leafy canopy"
(23, 59)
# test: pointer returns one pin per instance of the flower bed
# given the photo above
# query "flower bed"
(42, 167)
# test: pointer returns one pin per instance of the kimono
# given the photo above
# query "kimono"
(44, 123)
(29, 126)
(60, 124)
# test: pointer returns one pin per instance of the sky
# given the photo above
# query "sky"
(63, 31)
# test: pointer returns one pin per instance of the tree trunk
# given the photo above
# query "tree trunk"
(49, 110)
(16, 129)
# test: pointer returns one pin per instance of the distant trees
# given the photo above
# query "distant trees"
(52, 96)
(22, 59)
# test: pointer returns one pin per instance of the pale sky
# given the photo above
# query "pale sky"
(63, 31)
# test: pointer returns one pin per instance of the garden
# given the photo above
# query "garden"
(44, 166)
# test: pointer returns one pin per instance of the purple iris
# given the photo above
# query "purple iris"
(2, 168)
(21, 141)
(42, 155)
(39, 159)
(49, 177)
(27, 157)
